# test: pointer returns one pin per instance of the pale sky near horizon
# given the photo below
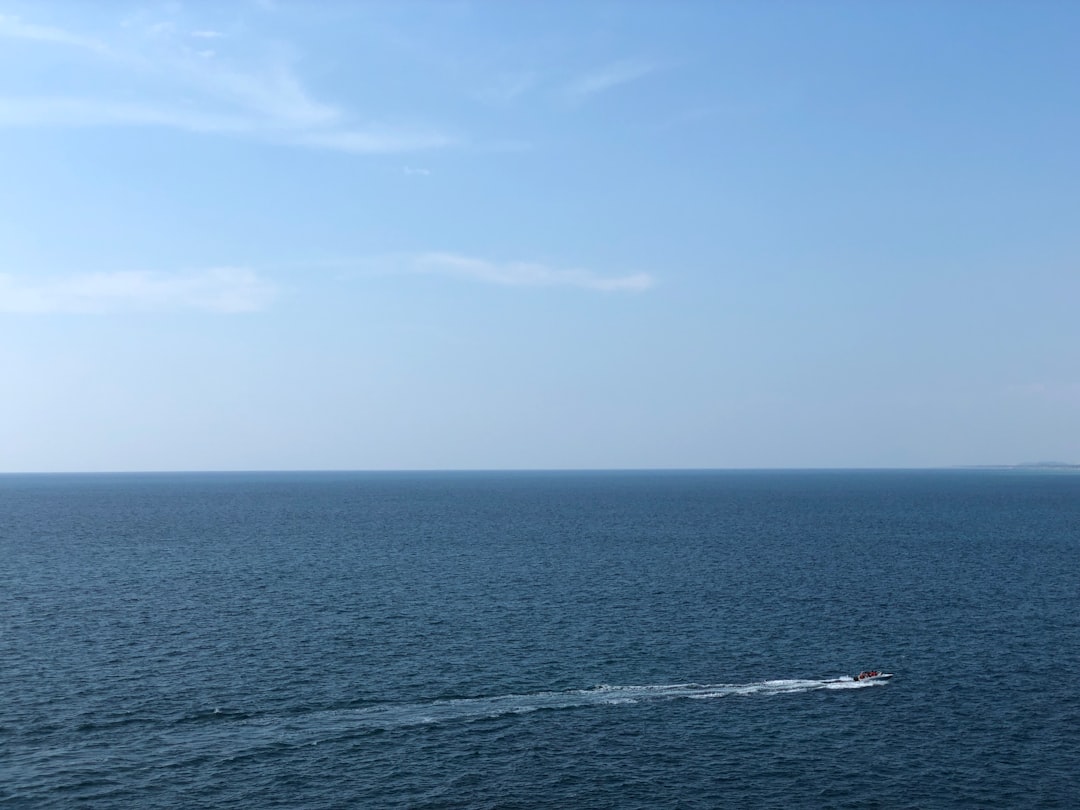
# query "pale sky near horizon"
(483, 235)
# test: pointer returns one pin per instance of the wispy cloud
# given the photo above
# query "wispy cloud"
(272, 95)
(607, 77)
(506, 88)
(198, 90)
(1055, 392)
(375, 140)
(14, 28)
(517, 274)
(58, 111)
(221, 289)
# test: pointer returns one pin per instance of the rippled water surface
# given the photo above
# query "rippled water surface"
(622, 640)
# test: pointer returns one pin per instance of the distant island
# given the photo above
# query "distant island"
(1028, 465)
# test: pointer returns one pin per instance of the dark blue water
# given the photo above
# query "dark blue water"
(522, 640)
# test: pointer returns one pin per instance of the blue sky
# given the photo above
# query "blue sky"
(340, 235)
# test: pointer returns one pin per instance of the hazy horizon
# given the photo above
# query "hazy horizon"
(1034, 466)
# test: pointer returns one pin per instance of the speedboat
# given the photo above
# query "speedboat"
(872, 675)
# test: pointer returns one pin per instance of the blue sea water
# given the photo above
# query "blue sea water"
(532, 640)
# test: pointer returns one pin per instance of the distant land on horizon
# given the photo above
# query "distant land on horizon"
(1030, 465)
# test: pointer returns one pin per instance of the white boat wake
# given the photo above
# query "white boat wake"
(451, 710)
(223, 731)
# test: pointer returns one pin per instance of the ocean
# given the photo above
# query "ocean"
(540, 639)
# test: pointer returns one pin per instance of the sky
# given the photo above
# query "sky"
(272, 235)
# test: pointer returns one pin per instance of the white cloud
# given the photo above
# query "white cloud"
(529, 274)
(92, 112)
(199, 90)
(506, 88)
(14, 28)
(271, 95)
(606, 78)
(220, 289)
(1056, 392)
(375, 140)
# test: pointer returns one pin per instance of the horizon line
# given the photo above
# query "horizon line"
(467, 470)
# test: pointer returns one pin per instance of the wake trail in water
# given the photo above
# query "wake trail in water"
(457, 710)
(236, 735)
